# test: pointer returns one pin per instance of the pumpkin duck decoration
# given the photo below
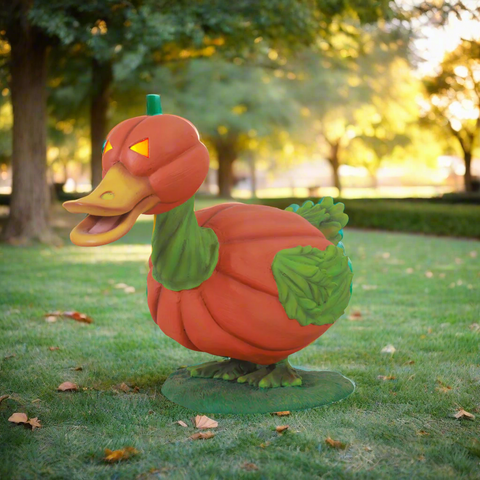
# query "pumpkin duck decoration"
(248, 282)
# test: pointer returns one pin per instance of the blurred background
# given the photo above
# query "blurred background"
(374, 102)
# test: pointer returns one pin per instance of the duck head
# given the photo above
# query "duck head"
(151, 164)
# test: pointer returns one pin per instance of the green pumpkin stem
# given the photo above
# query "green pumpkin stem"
(154, 106)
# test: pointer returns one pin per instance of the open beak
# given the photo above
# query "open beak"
(112, 208)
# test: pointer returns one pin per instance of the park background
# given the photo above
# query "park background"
(375, 103)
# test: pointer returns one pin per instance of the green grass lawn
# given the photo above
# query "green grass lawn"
(420, 294)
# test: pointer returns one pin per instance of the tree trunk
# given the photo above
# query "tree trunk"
(253, 174)
(467, 157)
(226, 154)
(335, 164)
(102, 76)
(29, 203)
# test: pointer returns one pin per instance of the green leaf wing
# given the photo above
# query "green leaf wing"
(313, 285)
(327, 216)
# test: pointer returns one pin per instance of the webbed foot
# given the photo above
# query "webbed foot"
(226, 369)
(280, 374)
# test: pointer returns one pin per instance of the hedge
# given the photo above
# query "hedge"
(457, 220)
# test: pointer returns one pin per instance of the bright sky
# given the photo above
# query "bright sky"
(436, 40)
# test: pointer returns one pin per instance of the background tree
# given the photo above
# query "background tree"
(454, 96)
(231, 105)
(356, 95)
(33, 27)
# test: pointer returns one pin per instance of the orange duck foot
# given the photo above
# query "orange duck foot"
(280, 374)
(226, 369)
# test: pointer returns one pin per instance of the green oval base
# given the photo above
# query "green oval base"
(207, 395)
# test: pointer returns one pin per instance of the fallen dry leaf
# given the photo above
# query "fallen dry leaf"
(18, 418)
(34, 423)
(461, 413)
(282, 414)
(410, 362)
(250, 467)
(282, 428)
(389, 349)
(202, 421)
(53, 348)
(264, 445)
(124, 387)
(21, 418)
(67, 387)
(355, 315)
(182, 423)
(77, 316)
(443, 388)
(202, 436)
(77, 369)
(335, 444)
(129, 289)
(422, 433)
(112, 456)
(385, 377)
(4, 397)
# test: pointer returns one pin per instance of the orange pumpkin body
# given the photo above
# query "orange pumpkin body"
(236, 312)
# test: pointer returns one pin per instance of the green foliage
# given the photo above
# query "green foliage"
(403, 215)
(325, 215)
(454, 95)
(313, 285)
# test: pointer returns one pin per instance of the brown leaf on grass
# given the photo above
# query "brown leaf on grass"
(282, 428)
(335, 444)
(202, 421)
(112, 456)
(250, 467)
(34, 423)
(443, 388)
(18, 418)
(282, 414)
(21, 418)
(10, 356)
(461, 413)
(182, 423)
(264, 445)
(77, 316)
(53, 348)
(67, 387)
(385, 377)
(129, 289)
(124, 387)
(422, 433)
(410, 362)
(355, 315)
(77, 369)
(202, 436)
(4, 397)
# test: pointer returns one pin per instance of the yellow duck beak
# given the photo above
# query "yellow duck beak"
(112, 208)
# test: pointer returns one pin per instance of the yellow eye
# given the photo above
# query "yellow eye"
(141, 147)
(108, 147)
